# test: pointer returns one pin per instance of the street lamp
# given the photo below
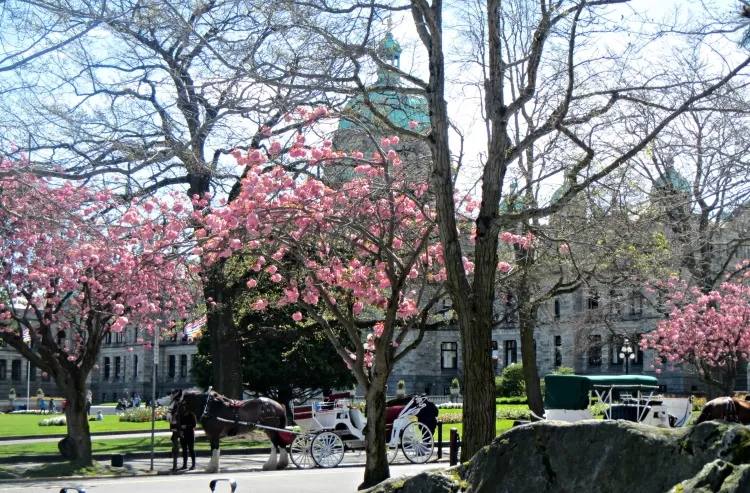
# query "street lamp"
(627, 354)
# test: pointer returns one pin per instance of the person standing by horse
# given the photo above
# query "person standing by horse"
(174, 427)
(187, 440)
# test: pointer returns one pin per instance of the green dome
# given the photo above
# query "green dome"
(399, 108)
(672, 180)
(388, 48)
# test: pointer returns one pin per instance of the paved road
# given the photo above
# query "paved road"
(340, 479)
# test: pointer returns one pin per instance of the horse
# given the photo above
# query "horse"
(726, 408)
(220, 417)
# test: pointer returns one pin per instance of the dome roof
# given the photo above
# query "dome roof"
(672, 180)
(399, 108)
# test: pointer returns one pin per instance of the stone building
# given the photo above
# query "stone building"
(124, 367)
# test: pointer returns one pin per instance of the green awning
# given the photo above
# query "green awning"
(572, 391)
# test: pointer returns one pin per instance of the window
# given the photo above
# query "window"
(593, 302)
(511, 355)
(183, 365)
(595, 350)
(61, 338)
(636, 304)
(511, 315)
(557, 309)
(15, 369)
(119, 337)
(108, 338)
(32, 372)
(3, 369)
(558, 351)
(135, 366)
(448, 355)
(614, 302)
(118, 366)
(106, 368)
(172, 365)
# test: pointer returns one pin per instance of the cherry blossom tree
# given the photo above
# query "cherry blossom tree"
(709, 332)
(76, 265)
(361, 256)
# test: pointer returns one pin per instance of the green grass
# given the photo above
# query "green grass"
(28, 424)
(123, 446)
(501, 425)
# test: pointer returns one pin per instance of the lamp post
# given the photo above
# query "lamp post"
(627, 354)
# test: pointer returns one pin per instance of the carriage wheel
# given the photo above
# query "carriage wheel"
(327, 449)
(301, 453)
(417, 442)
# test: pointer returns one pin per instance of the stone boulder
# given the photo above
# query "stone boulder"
(595, 457)
(717, 477)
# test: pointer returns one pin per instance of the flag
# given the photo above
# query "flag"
(193, 329)
(26, 335)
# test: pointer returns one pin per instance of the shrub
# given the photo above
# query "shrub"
(510, 383)
(598, 409)
(513, 414)
(564, 370)
(698, 403)
(58, 421)
(512, 400)
(142, 414)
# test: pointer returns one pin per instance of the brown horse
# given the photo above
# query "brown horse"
(726, 408)
(220, 417)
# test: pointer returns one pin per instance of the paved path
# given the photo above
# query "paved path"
(339, 480)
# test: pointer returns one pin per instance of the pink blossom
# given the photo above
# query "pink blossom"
(297, 316)
(413, 124)
(252, 283)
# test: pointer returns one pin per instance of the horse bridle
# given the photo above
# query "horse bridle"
(205, 407)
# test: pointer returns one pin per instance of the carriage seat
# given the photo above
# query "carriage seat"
(303, 412)
(341, 395)
(329, 402)
(391, 413)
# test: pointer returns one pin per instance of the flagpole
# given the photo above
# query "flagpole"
(28, 377)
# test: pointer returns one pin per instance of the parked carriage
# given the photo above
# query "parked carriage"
(332, 427)
(632, 398)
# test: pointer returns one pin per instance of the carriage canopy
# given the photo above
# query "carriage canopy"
(572, 391)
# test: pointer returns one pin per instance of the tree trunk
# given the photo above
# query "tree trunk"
(225, 341)
(76, 446)
(376, 461)
(479, 386)
(526, 321)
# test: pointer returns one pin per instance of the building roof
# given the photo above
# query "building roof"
(399, 108)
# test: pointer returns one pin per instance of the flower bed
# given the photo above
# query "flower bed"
(451, 405)
(58, 421)
(142, 414)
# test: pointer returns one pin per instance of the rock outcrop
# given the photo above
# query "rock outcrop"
(598, 457)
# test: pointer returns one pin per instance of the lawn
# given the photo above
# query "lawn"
(162, 443)
(28, 424)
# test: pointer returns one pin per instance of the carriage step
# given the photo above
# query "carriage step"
(232, 484)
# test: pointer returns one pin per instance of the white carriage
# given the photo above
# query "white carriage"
(628, 397)
(332, 427)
